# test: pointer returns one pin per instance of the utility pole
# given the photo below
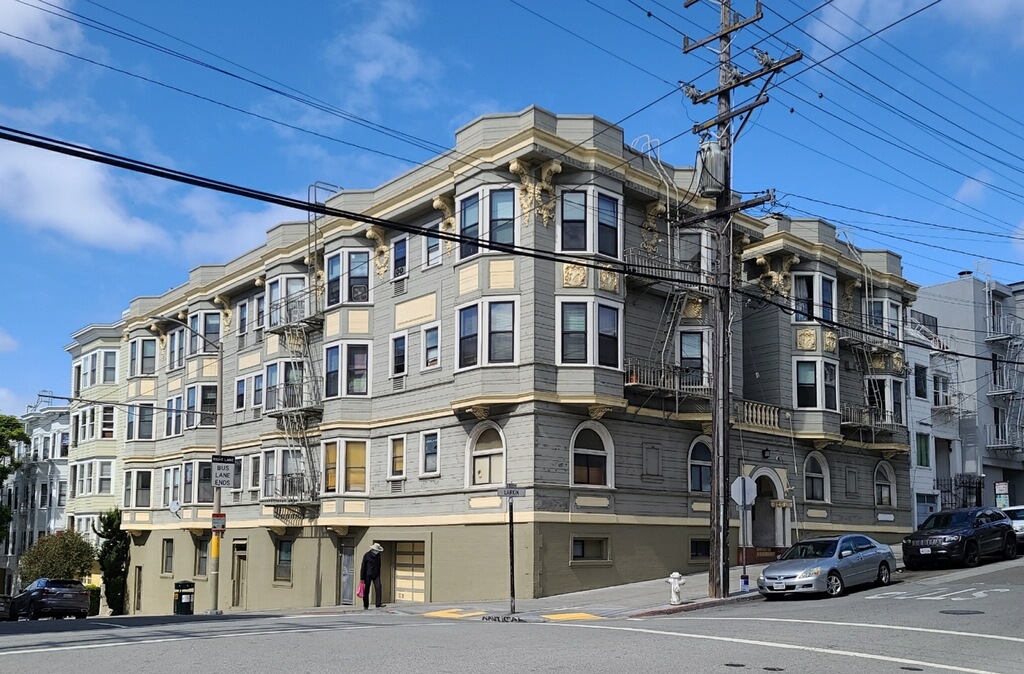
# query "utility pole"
(729, 77)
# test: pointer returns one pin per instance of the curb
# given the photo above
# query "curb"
(698, 605)
(512, 618)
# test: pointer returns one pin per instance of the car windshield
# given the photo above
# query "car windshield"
(1015, 514)
(811, 550)
(947, 520)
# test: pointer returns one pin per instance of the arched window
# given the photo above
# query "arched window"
(592, 456)
(486, 455)
(816, 478)
(700, 466)
(885, 485)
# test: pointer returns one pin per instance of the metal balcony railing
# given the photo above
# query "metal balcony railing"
(295, 397)
(1003, 327)
(296, 308)
(287, 488)
(654, 267)
(1003, 436)
(854, 329)
(871, 418)
(653, 375)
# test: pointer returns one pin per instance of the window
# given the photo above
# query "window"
(652, 459)
(176, 349)
(430, 336)
(808, 394)
(831, 392)
(254, 472)
(806, 384)
(468, 336)
(62, 494)
(700, 549)
(242, 311)
(691, 357)
(502, 217)
(356, 360)
(396, 457)
(700, 467)
(429, 465)
(239, 394)
(591, 455)
(330, 451)
(398, 351)
(140, 422)
(924, 454)
(501, 332)
(167, 556)
(884, 318)
(142, 357)
(172, 485)
(607, 225)
(589, 549)
(574, 221)
(940, 391)
(813, 297)
(107, 422)
(885, 485)
(589, 222)
(257, 390)
(577, 345)
(172, 417)
(347, 457)
(399, 258)
(202, 554)
(816, 478)
(109, 367)
(885, 397)
(283, 561)
(921, 382)
(105, 485)
(469, 226)
(496, 318)
(348, 277)
(137, 488)
(486, 456)
(431, 248)
(355, 467)
(205, 397)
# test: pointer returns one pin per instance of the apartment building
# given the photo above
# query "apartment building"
(980, 320)
(379, 383)
(36, 493)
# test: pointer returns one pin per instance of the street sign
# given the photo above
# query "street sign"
(223, 471)
(511, 491)
(220, 521)
(743, 491)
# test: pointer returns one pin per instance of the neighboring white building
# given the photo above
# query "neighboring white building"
(37, 492)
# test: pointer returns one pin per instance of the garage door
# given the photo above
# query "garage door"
(410, 571)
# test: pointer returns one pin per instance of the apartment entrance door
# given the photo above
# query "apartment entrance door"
(239, 560)
(346, 573)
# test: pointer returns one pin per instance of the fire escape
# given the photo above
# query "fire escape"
(1005, 338)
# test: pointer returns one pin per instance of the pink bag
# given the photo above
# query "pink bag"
(361, 590)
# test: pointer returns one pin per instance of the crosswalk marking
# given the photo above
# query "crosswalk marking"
(453, 613)
(571, 616)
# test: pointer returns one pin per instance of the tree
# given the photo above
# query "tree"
(11, 432)
(114, 555)
(64, 555)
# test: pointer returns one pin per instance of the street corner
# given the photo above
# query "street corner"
(697, 605)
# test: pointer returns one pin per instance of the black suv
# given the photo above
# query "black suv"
(51, 597)
(963, 535)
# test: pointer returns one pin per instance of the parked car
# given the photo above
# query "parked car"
(6, 607)
(827, 564)
(962, 535)
(55, 598)
(1016, 515)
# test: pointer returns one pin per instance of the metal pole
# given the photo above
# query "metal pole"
(511, 558)
(744, 509)
(217, 449)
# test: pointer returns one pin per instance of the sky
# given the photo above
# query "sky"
(901, 125)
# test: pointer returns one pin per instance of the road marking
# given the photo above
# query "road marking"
(898, 628)
(939, 594)
(120, 627)
(571, 616)
(452, 613)
(789, 647)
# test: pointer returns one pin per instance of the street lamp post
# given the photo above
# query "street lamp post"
(217, 450)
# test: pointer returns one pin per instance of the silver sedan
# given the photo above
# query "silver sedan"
(828, 564)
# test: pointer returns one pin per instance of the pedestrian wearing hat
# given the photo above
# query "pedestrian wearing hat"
(369, 572)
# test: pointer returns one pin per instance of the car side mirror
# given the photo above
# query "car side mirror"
(845, 553)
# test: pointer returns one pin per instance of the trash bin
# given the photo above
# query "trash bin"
(184, 597)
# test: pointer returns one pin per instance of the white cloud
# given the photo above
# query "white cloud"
(7, 342)
(40, 25)
(972, 189)
(223, 233)
(11, 403)
(71, 197)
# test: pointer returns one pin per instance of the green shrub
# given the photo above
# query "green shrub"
(94, 599)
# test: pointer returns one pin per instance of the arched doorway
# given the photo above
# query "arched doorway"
(762, 516)
(770, 517)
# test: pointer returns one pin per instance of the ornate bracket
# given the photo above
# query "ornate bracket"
(161, 335)
(479, 411)
(847, 306)
(381, 254)
(446, 204)
(260, 281)
(776, 282)
(225, 311)
(651, 238)
(596, 412)
(537, 196)
(820, 445)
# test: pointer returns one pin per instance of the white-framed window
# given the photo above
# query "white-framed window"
(488, 332)
(139, 425)
(347, 369)
(430, 461)
(173, 414)
(242, 316)
(240, 397)
(348, 277)
(814, 297)
(396, 457)
(254, 472)
(885, 317)
(107, 422)
(940, 391)
(257, 390)
(885, 397)
(589, 332)
(201, 405)
(109, 367)
(176, 349)
(259, 304)
(204, 333)
(816, 384)
(171, 485)
(399, 354)
(699, 461)
(288, 300)
(485, 450)
(817, 484)
(885, 485)
(138, 488)
(430, 343)
(924, 450)
(692, 250)
(345, 463)
(589, 220)
(399, 257)
(593, 456)
(105, 477)
(431, 248)
(142, 357)
(197, 482)
(488, 214)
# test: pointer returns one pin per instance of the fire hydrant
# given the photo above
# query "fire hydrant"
(676, 582)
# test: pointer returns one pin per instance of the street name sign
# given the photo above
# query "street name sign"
(512, 492)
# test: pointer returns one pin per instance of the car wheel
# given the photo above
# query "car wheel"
(971, 554)
(834, 585)
(33, 614)
(1010, 549)
(884, 575)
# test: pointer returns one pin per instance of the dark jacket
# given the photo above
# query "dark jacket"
(370, 568)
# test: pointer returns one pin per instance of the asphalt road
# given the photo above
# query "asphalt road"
(959, 621)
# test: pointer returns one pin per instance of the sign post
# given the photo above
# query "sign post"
(511, 491)
(744, 491)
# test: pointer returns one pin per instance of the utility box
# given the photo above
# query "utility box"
(184, 597)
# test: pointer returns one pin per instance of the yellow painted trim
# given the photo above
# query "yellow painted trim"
(561, 617)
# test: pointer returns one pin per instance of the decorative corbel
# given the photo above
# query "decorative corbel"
(381, 253)
(776, 282)
(479, 411)
(820, 445)
(446, 204)
(339, 529)
(651, 238)
(260, 281)
(160, 333)
(277, 529)
(537, 196)
(225, 311)
(596, 412)
(125, 335)
(848, 288)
